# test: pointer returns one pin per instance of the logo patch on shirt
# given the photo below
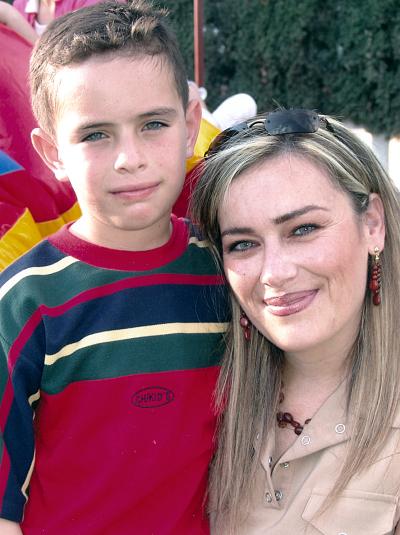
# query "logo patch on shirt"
(152, 397)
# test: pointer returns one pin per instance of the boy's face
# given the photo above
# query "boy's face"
(122, 139)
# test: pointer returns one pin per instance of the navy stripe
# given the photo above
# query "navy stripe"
(136, 307)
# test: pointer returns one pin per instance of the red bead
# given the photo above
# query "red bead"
(285, 418)
(244, 322)
(374, 285)
(376, 299)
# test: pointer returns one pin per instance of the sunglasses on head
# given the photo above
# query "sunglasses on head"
(276, 123)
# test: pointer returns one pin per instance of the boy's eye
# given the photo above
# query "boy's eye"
(94, 136)
(154, 125)
(303, 230)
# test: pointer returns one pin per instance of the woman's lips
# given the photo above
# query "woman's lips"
(290, 303)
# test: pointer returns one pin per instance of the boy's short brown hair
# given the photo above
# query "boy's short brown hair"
(131, 29)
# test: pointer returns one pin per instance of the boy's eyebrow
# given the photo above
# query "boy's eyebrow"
(159, 111)
(276, 221)
(90, 126)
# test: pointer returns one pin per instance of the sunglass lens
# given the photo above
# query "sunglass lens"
(292, 122)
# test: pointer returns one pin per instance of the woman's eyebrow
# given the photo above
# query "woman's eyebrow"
(236, 230)
(296, 213)
(276, 221)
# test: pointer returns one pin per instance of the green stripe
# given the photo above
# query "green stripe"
(130, 357)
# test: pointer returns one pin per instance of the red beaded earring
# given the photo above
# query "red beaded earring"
(375, 280)
(245, 325)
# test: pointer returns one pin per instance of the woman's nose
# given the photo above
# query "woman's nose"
(277, 268)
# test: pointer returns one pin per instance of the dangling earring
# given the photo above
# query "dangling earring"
(375, 280)
(245, 325)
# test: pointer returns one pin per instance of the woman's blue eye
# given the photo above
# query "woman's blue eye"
(303, 230)
(241, 246)
(95, 136)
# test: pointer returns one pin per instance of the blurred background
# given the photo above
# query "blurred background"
(340, 57)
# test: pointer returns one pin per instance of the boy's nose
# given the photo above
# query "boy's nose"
(129, 156)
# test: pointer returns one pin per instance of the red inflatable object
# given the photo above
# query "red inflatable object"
(16, 118)
(33, 203)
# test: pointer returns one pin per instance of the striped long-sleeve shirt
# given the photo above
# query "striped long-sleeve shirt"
(108, 361)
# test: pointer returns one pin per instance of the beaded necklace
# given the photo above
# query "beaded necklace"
(286, 418)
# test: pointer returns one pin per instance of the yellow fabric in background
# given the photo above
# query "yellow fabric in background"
(26, 233)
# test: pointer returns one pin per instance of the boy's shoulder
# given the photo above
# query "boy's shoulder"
(41, 256)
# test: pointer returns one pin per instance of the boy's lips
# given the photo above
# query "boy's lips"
(135, 191)
(290, 303)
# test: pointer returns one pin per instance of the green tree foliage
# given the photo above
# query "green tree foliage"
(338, 56)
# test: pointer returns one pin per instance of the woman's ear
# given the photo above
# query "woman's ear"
(374, 218)
(47, 149)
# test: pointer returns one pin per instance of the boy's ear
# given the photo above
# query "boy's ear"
(193, 119)
(47, 149)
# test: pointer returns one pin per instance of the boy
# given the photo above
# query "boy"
(111, 329)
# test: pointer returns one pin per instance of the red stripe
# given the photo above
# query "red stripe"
(22, 338)
(101, 291)
(4, 472)
(6, 403)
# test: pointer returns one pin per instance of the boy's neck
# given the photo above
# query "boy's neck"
(122, 239)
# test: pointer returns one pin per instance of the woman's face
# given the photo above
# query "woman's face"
(295, 254)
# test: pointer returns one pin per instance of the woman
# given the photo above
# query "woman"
(306, 224)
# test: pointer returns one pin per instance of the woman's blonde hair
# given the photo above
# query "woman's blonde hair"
(248, 388)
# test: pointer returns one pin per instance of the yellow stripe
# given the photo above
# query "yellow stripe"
(43, 270)
(199, 243)
(25, 485)
(34, 397)
(135, 332)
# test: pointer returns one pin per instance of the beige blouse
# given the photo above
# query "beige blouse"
(289, 490)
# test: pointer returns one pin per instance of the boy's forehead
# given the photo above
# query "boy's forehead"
(96, 64)
(107, 81)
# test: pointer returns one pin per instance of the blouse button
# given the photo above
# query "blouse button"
(285, 465)
(340, 428)
(305, 440)
(268, 497)
(269, 461)
(278, 495)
